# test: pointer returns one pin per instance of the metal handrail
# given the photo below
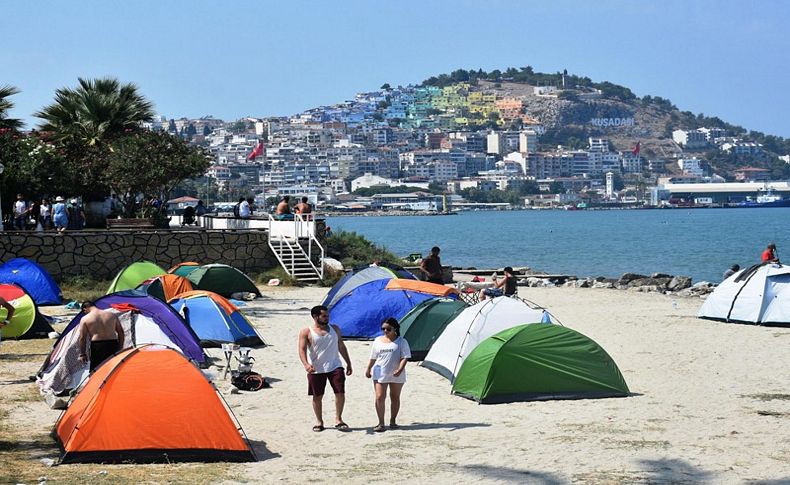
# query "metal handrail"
(300, 222)
(308, 221)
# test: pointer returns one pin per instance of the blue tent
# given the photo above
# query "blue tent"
(215, 320)
(359, 312)
(34, 279)
(361, 275)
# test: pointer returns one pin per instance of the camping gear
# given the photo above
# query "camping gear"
(359, 313)
(421, 286)
(215, 320)
(166, 286)
(538, 362)
(249, 381)
(183, 269)
(361, 275)
(134, 409)
(133, 275)
(474, 325)
(757, 295)
(222, 279)
(34, 279)
(145, 319)
(423, 324)
(27, 322)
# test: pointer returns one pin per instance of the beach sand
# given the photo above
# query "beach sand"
(710, 403)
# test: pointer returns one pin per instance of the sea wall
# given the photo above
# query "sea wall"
(101, 254)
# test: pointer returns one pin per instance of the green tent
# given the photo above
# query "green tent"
(538, 362)
(425, 322)
(131, 276)
(222, 279)
(27, 322)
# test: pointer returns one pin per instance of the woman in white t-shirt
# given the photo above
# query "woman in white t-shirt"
(387, 366)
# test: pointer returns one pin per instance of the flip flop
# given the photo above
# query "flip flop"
(342, 427)
(380, 428)
(394, 426)
(318, 428)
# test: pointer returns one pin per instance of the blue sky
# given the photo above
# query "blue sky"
(255, 58)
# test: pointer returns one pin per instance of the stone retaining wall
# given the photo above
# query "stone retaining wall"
(101, 254)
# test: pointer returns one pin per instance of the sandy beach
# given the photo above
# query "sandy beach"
(710, 403)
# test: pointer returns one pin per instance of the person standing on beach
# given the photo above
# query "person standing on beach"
(769, 255)
(431, 266)
(104, 332)
(320, 347)
(387, 367)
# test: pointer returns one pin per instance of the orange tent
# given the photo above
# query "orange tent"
(149, 404)
(166, 286)
(421, 286)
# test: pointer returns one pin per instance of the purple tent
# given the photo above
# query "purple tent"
(153, 321)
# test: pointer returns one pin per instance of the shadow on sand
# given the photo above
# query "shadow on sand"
(262, 452)
(421, 426)
(513, 475)
(674, 470)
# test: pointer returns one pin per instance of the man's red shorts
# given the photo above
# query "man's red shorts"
(316, 383)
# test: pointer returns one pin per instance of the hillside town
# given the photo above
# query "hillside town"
(459, 147)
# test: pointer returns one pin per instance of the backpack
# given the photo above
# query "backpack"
(249, 381)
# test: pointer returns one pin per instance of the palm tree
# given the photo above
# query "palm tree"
(97, 109)
(6, 106)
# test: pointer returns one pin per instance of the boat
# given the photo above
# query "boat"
(766, 199)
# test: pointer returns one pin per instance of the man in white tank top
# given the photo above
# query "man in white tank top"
(320, 348)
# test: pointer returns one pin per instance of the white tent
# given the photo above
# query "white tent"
(475, 324)
(758, 295)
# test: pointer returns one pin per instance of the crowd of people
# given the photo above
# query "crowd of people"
(44, 215)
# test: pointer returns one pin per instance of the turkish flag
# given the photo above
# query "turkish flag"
(635, 151)
(256, 152)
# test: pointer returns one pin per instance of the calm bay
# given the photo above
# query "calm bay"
(701, 243)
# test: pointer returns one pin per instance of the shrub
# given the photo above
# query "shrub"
(353, 249)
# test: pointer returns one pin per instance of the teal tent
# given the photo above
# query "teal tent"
(425, 322)
(538, 362)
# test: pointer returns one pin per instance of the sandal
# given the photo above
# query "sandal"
(318, 428)
(341, 426)
(380, 428)
(394, 426)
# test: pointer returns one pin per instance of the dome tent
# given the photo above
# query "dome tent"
(538, 362)
(133, 275)
(359, 313)
(475, 324)
(222, 279)
(183, 269)
(145, 319)
(215, 320)
(27, 322)
(757, 295)
(361, 275)
(425, 322)
(34, 279)
(129, 410)
(166, 286)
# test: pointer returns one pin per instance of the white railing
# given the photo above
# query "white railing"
(284, 237)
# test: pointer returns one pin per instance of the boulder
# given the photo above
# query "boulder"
(661, 275)
(603, 284)
(333, 264)
(658, 282)
(679, 283)
(629, 277)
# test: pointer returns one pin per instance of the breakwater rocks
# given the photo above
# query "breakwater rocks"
(655, 283)
(101, 254)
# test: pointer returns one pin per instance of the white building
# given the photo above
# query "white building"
(599, 145)
(743, 148)
(691, 166)
(690, 139)
(528, 141)
(370, 180)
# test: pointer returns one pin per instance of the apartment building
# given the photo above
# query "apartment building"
(690, 139)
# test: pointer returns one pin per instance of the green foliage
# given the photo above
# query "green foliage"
(276, 273)
(7, 105)
(353, 249)
(150, 163)
(83, 287)
(95, 110)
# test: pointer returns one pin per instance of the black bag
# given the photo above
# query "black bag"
(249, 381)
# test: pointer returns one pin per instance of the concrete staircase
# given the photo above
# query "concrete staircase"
(297, 249)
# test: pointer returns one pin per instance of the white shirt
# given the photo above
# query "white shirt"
(323, 353)
(244, 209)
(388, 356)
(45, 210)
(19, 207)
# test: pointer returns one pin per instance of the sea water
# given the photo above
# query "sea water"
(701, 243)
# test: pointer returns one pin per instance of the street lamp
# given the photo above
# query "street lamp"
(1, 201)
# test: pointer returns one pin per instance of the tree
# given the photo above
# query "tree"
(6, 106)
(150, 163)
(385, 87)
(96, 110)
